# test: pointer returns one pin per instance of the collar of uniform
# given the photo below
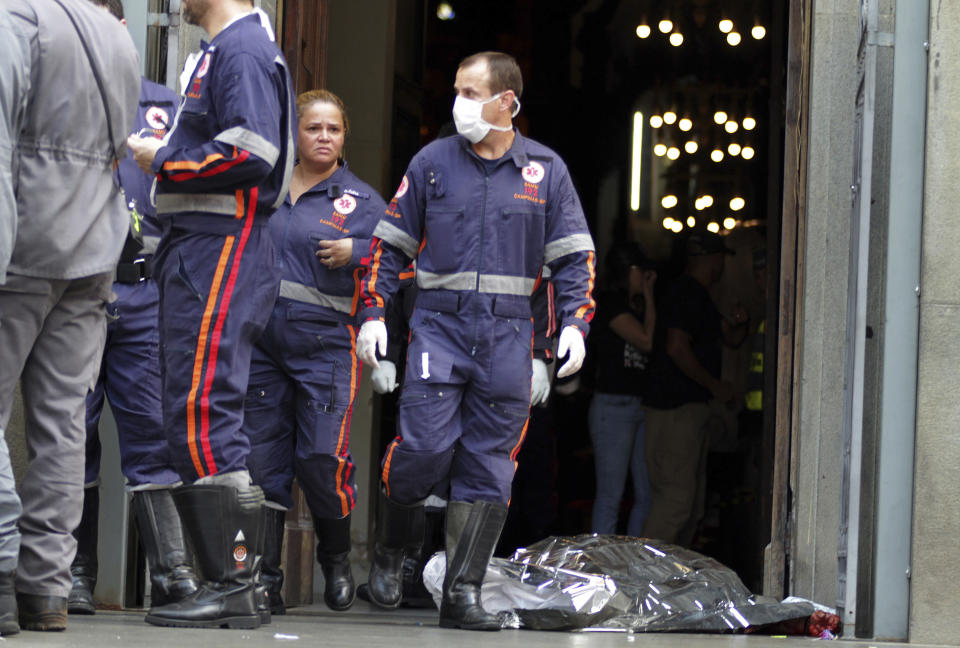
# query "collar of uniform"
(333, 185)
(252, 14)
(517, 150)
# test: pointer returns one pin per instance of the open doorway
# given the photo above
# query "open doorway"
(666, 128)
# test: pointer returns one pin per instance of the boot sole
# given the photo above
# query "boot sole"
(450, 623)
(236, 623)
(385, 606)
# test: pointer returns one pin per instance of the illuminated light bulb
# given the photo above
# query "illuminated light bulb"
(690, 147)
(668, 222)
(733, 148)
(748, 123)
(669, 117)
(747, 152)
(707, 200)
(665, 26)
(643, 31)
(676, 39)
(677, 227)
(733, 38)
(698, 204)
(660, 150)
(731, 126)
(725, 25)
(713, 227)
(691, 222)
(445, 11)
(673, 152)
(729, 222)
(737, 203)
(669, 201)
(719, 117)
(656, 121)
(685, 124)
(716, 155)
(758, 32)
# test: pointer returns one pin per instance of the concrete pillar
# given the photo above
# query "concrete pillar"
(935, 587)
(817, 459)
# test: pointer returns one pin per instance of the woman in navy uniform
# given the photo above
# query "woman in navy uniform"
(304, 374)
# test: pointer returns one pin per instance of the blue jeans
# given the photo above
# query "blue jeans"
(618, 433)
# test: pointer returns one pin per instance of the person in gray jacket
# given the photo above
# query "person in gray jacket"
(14, 85)
(84, 76)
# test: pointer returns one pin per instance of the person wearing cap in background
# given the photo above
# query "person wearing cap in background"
(687, 368)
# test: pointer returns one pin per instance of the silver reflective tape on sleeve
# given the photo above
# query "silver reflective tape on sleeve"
(209, 203)
(246, 139)
(567, 245)
(396, 237)
(150, 244)
(506, 285)
(455, 281)
(310, 295)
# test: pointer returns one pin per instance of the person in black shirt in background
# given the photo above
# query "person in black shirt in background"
(623, 338)
(687, 371)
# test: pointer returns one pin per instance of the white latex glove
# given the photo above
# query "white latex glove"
(372, 338)
(539, 383)
(384, 377)
(571, 345)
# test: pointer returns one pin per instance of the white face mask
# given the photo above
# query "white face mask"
(466, 115)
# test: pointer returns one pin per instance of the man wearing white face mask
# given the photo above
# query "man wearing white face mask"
(482, 213)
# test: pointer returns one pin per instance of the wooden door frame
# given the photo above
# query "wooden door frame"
(792, 276)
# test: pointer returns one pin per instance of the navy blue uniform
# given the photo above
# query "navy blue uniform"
(304, 373)
(225, 169)
(130, 370)
(481, 232)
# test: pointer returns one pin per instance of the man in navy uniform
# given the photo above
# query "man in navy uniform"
(221, 171)
(481, 212)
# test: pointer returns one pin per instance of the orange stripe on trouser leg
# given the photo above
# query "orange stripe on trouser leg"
(218, 330)
(516, 449)
(385, 475)
(344, 439)
(200, 354)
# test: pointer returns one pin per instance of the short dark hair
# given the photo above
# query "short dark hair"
(504, 71)
(113, 6)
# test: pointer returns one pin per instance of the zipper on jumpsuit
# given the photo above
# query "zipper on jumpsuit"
(476, 302)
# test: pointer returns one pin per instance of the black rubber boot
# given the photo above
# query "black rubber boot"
(260, 594)
(415, 557)
(398, 525)
(270, 573)
(225, 527)
(8, 604)
(172, 577)
(84, 567)
(470, 545)
(333, 554)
